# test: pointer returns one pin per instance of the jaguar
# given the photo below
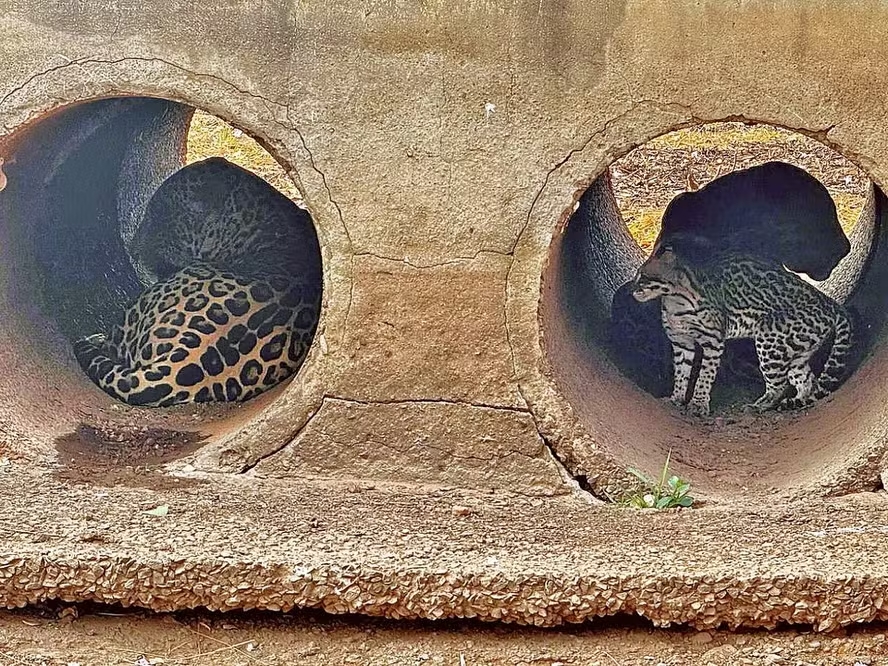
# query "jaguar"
(233, 297)
(217, 212)
(204, 335)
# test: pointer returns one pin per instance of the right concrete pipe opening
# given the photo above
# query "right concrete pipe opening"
(616, 386)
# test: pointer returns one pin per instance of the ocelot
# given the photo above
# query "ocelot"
(709, 298)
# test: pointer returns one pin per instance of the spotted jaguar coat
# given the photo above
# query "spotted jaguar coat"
(234, 293)
(204, 335)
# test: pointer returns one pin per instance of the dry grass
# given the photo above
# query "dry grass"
(644, 225)
(649, 177)
(211, 137)
(723, 136)
(849, 207)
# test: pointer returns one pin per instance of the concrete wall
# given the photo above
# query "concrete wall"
(441, 148)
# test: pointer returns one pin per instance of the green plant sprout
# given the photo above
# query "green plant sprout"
(666, 493)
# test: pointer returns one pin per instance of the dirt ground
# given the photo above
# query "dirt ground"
(63, 636)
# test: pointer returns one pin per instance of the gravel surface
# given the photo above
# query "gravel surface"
(228, 543)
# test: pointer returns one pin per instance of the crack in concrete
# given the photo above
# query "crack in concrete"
(248, 466)
(34, 77)
(568, 475)
(427, 401)
(421, 266)
(506, 453)
(79, 62)
(573, 151)
(351, 289)
(293, 127)
(290, 126)
(562, 468)
(821, 135)
(351, 297)
(578, 481)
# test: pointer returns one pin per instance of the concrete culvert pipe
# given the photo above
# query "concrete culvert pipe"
(611, 361)
(85, 204)
(428, 458)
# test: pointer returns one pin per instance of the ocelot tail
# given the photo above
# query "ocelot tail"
(706, 301)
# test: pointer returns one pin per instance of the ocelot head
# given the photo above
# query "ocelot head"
(669, 269)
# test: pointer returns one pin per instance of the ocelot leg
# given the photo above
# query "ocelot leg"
(769, 346)
(801, 377)
(684, 349)
(713, 348)
(834, 369)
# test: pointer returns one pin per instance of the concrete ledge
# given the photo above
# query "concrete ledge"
(407, 552)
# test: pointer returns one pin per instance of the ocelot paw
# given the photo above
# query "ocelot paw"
(791, 404)
(764, 404)
(697, 409)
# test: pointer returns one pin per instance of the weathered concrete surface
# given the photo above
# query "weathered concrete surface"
(441, 148)
(412, 553)
(442, 443)
(433, 331)
(429, 140)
